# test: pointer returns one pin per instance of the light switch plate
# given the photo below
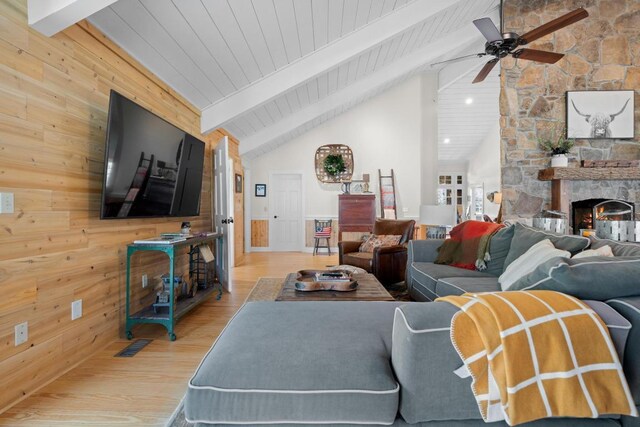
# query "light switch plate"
(6, 203)
(22, 333)
(76, 309)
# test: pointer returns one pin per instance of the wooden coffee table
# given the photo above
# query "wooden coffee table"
(369, 289)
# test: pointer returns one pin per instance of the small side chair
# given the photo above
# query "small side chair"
(322, 231)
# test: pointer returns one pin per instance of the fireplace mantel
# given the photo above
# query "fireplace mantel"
(589, 174)
(561, 181)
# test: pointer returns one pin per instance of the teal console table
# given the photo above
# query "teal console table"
(180, 308)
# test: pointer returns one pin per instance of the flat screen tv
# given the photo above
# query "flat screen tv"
(151, 168)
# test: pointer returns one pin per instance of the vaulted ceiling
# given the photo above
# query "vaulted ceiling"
(270, 70)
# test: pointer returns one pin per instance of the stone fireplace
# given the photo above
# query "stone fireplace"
(577, 191)
(602, 52)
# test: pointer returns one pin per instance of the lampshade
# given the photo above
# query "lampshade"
(437, 215)
(497, 198)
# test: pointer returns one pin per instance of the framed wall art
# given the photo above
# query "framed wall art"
(261, 190)
(600, 114)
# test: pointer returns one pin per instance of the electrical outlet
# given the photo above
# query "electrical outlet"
(76, 309)
(145, 281)
(22, 333)
(6, 203)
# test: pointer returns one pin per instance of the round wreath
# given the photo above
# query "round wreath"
(334, 164)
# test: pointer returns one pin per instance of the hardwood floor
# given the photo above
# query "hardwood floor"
(145, 389)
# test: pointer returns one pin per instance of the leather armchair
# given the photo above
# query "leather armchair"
(387, 263)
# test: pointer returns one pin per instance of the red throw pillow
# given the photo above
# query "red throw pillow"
(374, 241)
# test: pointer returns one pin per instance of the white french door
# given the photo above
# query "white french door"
(286, 224)
(223, 211)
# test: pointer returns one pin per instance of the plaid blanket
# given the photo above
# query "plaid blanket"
(537, 354)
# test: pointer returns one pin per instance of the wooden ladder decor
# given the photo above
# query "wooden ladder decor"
(388, 195)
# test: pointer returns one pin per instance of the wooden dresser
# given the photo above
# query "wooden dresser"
(356, 212)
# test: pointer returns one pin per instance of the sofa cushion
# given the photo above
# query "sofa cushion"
(524, 237)
(427, 274)
(358, 259)
(597, 278)
(630, 308)
(528, 261)
(461, 285)
(299, 362)
(618, 248)
(499, 246)
(425, 360)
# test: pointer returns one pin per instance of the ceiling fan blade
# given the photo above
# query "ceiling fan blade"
(538, 55)
(460, 58)
(486, 70)
(488, 29)
(555, 25)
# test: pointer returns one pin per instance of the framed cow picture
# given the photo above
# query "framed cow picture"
(600, 114)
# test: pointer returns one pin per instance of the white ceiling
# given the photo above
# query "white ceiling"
(466, 125)
(215, 52)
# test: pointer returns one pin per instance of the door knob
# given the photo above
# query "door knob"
(230, 221)
(224, 221)
(275, 216)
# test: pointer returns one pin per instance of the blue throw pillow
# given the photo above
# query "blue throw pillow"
(524, 237)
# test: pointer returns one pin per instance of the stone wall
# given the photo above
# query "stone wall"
(602, 53)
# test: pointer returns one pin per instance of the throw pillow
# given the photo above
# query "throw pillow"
(524, 237)
(618, 248)
(498, 250)
(375, 241)
(597, 278)
(527, 262)
(601, 251)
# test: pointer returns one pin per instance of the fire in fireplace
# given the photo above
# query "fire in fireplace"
(585, 212)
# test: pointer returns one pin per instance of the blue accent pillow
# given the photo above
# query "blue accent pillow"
(524, 237)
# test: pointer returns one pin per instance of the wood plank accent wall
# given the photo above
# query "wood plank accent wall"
(54, 95)
(260, 233)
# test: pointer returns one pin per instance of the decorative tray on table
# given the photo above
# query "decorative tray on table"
(322, 280)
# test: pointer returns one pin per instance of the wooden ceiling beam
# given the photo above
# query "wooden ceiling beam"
(399, 68)
(49, 17)
(319, 61)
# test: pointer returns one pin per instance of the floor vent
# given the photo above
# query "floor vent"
(133, 348)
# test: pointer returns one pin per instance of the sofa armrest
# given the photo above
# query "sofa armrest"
(424, 359)
(381, 250)
(629, 307)
(346, 247)
(423, 250)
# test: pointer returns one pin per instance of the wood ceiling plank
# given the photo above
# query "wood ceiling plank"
(304, 23)
(163, 43)
(320, 61)
(266, 14)
(288, 28)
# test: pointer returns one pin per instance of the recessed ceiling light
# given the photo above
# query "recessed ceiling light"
(468, 101)
(447, 140)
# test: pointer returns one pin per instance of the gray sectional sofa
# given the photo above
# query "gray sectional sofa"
(370, 363)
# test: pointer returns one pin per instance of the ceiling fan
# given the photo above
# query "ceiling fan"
(500, 44)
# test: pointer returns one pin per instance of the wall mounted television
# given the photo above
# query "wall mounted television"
(151, 168)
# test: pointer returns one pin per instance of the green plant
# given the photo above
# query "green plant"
(334, 164)
(560, 145)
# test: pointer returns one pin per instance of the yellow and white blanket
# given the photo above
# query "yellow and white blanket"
(538, 354)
